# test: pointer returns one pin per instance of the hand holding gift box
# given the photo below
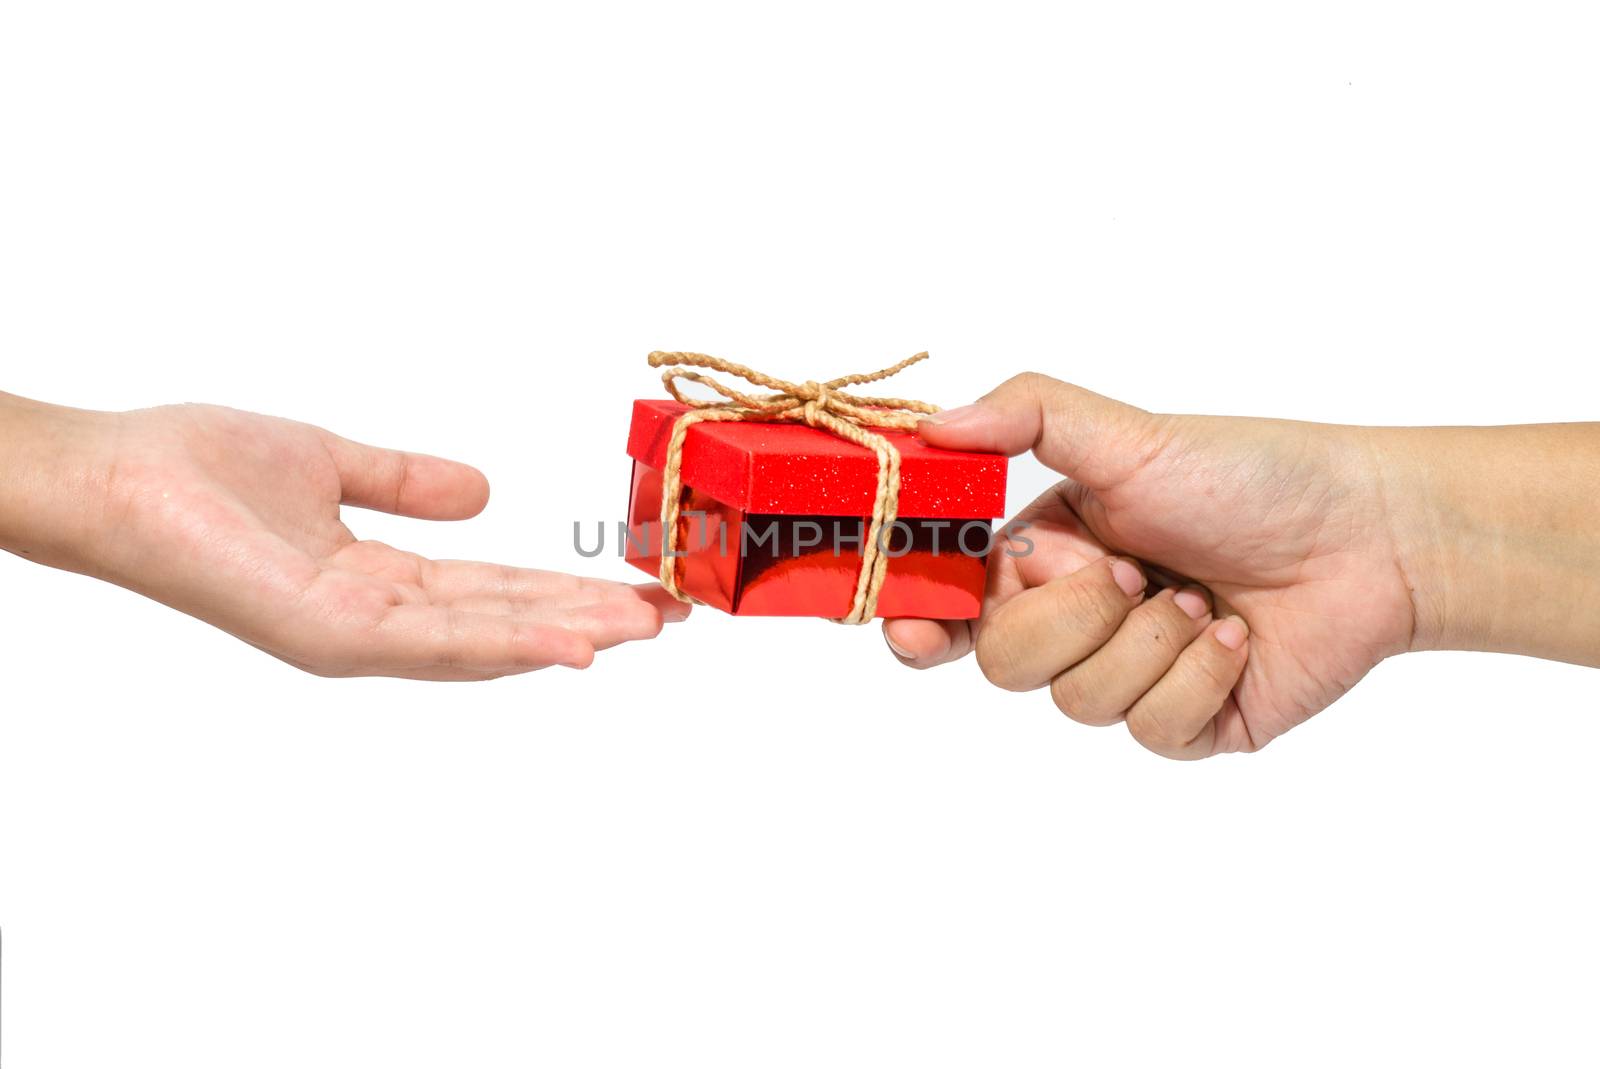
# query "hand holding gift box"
(807, 501)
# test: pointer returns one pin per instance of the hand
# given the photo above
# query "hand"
(234, 518)
(1284, 580)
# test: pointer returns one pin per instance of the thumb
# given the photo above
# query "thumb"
(1088, 438)
(408, 484)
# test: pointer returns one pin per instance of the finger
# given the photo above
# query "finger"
(1177, 717)
(412, 640)
(1100, 689)
(448, 580)
(1041, 632)
(1044, 541)
(1081, 434)
(604, 612)
(451, 581)
(407, 484)
(672, 610)
(604, 623)
(926, 643)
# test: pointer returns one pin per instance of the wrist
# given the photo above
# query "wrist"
(54, 470)
(1427, 550)
(1496, 536)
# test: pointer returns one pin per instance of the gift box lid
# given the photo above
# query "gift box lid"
(793, 469)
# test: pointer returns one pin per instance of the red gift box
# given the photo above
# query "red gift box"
(774, 515)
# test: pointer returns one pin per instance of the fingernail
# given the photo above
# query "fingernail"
(1193, 603)
(950, 415)
(1128, 577)
(899, 650)
(1231, 632)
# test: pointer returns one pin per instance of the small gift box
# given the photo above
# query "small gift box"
(776, 510)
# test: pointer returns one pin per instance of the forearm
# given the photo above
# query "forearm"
(1498, 532)
(52, 481)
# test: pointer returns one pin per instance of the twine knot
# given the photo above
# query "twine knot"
(823, 405)
(819, 397)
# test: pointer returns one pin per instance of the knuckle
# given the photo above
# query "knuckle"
(1079, 704)
(1145, 732)
(998, 660)
(1025, 384)
(1031, 382)
(523, 645)
(644, 620)
(1213, 674)
(613, 621)
(1095, 604)
(1156, 736)
(504, 578)
(1167, 624)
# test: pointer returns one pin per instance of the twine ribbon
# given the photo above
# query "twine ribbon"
(823, 405)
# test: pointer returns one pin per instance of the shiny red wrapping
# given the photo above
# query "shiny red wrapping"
(774, 513)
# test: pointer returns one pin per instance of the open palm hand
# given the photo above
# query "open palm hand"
(234, 518)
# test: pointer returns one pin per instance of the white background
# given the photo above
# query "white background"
(458, 228)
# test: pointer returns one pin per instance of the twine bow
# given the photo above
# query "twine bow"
(823, 405)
